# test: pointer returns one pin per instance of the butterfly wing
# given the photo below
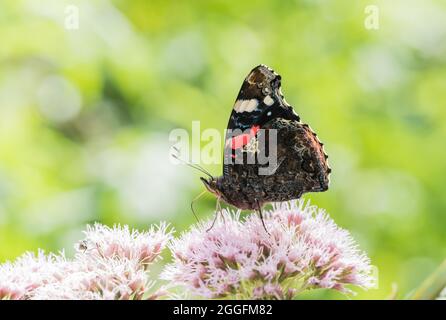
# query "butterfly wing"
(301, 164)
(260, 99)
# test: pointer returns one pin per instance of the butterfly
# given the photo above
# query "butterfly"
(301, 162)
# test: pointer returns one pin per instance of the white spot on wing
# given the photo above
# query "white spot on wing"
(268, 101)
(237, 105)
(245, 105)
(252, 104)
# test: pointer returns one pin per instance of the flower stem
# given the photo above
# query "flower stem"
(432, 286)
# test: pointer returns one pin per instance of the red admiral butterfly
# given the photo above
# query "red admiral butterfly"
(301, 161)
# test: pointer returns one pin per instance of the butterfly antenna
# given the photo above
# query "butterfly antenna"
(204, 170)
(192, 204)
(195, 166)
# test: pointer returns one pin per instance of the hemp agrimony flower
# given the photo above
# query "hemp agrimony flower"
(110, 263)
(238, 259)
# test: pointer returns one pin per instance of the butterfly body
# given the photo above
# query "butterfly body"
(301, 163)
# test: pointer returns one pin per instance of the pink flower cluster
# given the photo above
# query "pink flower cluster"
(29, 272)
(303, 249)
(237, 258)
(141, 247)
(110, 263)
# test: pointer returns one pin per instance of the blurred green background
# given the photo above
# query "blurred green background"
(85, 115)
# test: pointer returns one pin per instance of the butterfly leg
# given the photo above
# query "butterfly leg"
(259, 209)
(217, 212)
(192, 205)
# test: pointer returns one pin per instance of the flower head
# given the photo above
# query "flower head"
(98, 279)
(19, 279)
(304, 249)
(110, 263)
(141, 247)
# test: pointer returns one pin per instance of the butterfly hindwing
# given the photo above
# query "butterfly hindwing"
(302, 162)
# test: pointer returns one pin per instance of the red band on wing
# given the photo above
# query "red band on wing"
(254, 130)
(239, 141)
(243, 139)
